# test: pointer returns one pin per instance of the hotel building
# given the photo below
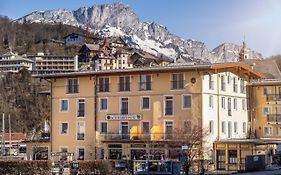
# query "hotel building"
(116, 114)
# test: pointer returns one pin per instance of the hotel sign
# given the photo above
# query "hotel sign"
(123, 117)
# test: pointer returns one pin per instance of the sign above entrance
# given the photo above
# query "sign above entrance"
(123, 117)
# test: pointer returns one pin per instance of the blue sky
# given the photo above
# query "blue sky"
(211, 21)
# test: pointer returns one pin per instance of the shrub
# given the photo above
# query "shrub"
(97, 167)
(25, 167)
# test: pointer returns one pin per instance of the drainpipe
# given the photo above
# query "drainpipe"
(95, 115)
(218, 104)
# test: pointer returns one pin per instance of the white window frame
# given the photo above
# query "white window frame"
(77, 107)
(269, 110)
(171, 81)
(120, 104)
(61, 105)
(235, 104)
(103, 110)
(235, 127)
(211, 101)
(244, 127)
(77, 151)
(223, 127)
(164, 104)
(103, 121)
(60, 128)
(183, 98)
(72, 93)
(144, 121)
(270, 134)
(223, 102)
(141, 103)
(244, 104)
(80, 133)
(165, 126)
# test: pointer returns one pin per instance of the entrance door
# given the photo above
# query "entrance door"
(124, 130)
(220, 160)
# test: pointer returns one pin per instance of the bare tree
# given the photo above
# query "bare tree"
(191, 139)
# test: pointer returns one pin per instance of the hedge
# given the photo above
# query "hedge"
(101, 167)
(25, 167)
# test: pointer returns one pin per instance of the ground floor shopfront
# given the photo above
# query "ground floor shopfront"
(230, 155)
(138, 150)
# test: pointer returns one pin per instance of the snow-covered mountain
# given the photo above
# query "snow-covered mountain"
(118, 19)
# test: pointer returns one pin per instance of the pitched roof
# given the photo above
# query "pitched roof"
(237, 67)
(14, 136)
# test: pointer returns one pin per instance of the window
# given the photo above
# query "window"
(187, 101)
(265, 91)
(124, 83)
(80, 154)
(223, 102)
(168, 129)
(266, 110)
(169, 104)
(244, 127)
(124, 106)
(235, 103)
(211, 101)
(228, 79)
(145, 104)
(211, 127)
(145, 82)
(229, 106)
(81, 108)
(64, 105)
(234, 84)
(145, 128)
(81, 130)
(235, 127)
(267, 131)
(244, 104)
(223, 127)
(72, 86)
(187, 126)
(211, 82)
(229, 129)
(103, 104)
(242, 86)
(63, 128)
(103, 128)
(64, 156)
(222, 82)
(177, 81)
(232, 156)
(103, 84)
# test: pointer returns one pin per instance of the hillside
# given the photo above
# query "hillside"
(21, 98)
(30, 38)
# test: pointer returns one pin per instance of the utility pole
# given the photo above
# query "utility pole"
(10, 136)
(3, 134)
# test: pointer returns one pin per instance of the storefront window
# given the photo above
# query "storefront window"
(232, 156)
(115, 151)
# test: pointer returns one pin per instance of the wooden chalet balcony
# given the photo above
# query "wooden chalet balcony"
(274, 118)
(273, 97)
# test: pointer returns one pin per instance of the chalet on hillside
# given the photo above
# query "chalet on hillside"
(79, 39)
(88, 51)
(145, 59)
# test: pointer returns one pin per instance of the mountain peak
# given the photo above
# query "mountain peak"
(119, 19)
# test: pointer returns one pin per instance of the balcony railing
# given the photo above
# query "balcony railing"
(135, 136)
(273, 97)
(274, 118)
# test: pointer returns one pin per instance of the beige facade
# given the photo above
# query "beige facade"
(266, 106)
(117, 114)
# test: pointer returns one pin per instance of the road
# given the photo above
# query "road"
(274, 172)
